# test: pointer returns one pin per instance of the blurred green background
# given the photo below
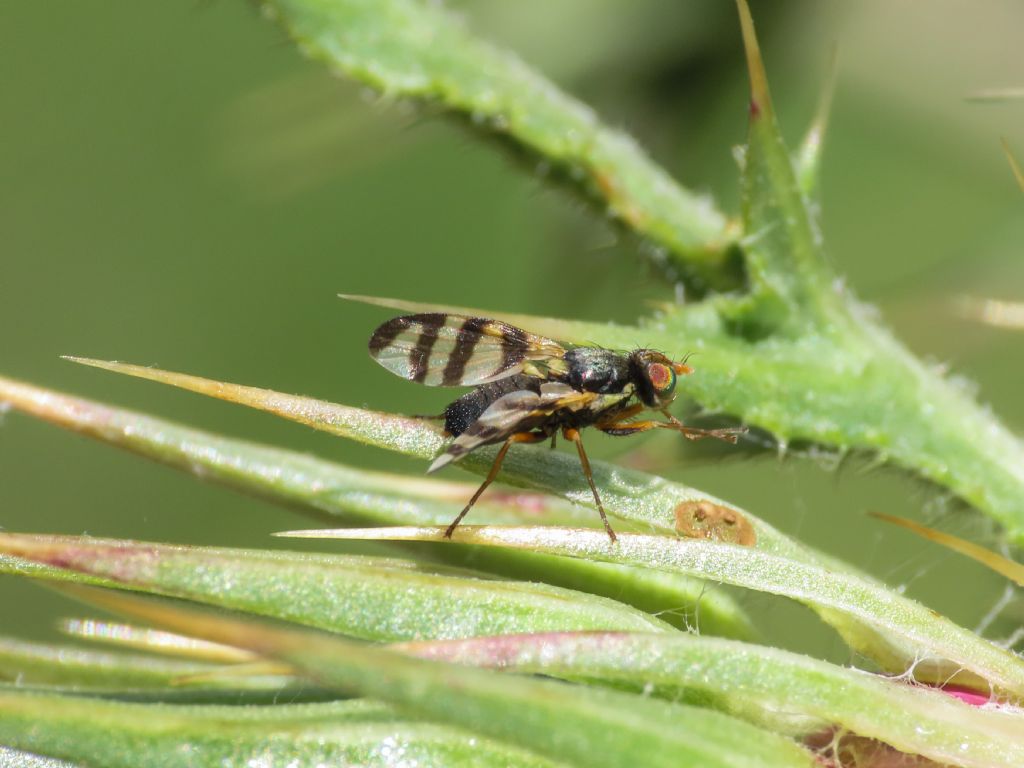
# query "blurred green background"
(180, 187)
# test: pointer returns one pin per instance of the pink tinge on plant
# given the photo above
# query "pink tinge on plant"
(966, 695)
(531, 503)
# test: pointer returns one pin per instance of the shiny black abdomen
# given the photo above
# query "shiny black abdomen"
(467, 409)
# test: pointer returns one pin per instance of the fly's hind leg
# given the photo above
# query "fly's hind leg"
(518, 437)
(573, 436)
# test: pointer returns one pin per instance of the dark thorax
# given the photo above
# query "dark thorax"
(590, 369)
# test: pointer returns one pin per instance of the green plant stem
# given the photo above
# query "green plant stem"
(412, 49)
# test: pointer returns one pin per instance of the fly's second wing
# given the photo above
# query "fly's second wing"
(518, 411)
(440, 349)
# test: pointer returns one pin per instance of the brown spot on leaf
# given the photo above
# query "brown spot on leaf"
(707, 520)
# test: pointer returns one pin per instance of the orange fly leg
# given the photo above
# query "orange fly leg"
(518, 437)
(573, 436)
(620, 428)
(672, 419)
(630, 412)
(620, 420)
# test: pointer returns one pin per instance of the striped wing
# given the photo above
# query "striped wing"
(518, 411)
(440, 349)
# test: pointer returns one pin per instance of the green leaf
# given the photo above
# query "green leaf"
(121, 735)
(630, 495)
(781, 691)
(152, 640)
(574, 724)
(370, 598)
(72, 666)
(906, 635)
(416, 49)
(790, 286)
(61, 668)
(302, 481)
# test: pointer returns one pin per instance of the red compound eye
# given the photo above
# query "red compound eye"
(661, 376)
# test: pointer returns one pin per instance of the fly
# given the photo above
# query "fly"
(528, 388)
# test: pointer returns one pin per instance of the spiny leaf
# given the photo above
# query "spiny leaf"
(628, 494)
(578, 725)
(71, 666)
(121, 735)
(153, 640)
(371, 598)
(781, 691)
(1001, 565)
(789, 282)
(891, 402)
(302, 481)
(415, 49)
(905, 633)
(631, 495)
(408, 435)
(60, 668)
(653, 500)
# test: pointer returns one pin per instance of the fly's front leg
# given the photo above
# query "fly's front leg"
(518, 437)
(728, 434)
(573, 436)
(620, 427)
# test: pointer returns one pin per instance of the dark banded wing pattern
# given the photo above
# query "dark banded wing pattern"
(440, 349)
(518, 411)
